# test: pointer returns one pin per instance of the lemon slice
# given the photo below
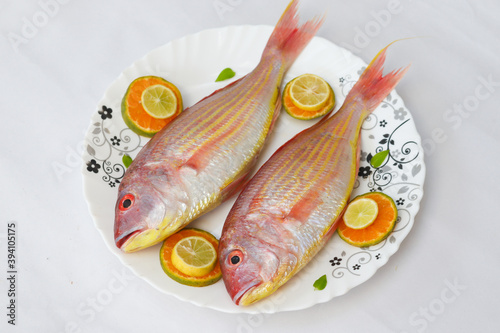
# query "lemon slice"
(159, 101)
(194, 256)
(361, 213)
(299, 113)
(309, 92)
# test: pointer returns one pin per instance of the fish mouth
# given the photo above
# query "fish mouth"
(240, 294)
(125, 238)
(138, 238)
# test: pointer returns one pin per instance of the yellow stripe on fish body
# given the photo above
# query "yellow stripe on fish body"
(303, 159)
(212, 120)
(246, 106)
(297, 173)
(260, 141)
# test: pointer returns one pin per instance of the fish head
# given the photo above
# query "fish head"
(253, 263)
(138, 213)
(144, 210)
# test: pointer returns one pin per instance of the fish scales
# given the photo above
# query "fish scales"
(291, 207)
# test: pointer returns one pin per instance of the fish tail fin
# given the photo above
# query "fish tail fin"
(373, 87)
(289, 38)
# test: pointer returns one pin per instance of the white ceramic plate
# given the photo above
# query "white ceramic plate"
(192, 63)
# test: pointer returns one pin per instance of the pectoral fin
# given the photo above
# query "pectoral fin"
(305, 206)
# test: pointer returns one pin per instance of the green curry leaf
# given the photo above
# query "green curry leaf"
(320, 283)
(226, 74)
(379, 158)
(127, 160)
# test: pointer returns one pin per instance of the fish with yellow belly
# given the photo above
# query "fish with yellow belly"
(291, 207)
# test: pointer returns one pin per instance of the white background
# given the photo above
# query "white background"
(58, 57)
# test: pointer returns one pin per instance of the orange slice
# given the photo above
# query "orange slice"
(172, 271)
(133, 112)
(376, 231)
(299, 113)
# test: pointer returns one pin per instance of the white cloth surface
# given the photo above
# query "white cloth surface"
(58, 57)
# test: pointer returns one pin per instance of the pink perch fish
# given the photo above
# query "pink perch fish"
(290, 208)
(205, 155)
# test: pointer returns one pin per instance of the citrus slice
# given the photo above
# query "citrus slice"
(297, 112)
(159, 101)
(309, 92)
(360, 213)
(194, 256)
(379, 229)
(168, 258)
(135, 115)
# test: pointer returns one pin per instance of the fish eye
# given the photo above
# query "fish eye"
(234, 258)
(126, 202)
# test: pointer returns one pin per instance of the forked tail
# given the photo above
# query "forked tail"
(289, 38)
(372, 86)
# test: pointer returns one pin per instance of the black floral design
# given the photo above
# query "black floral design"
(105, 112)
(377, 256)
(335, 261)
(383, 123)
(376, 189)
(400, 154)
(356, 267)
(115, 141)
(364, 172)
(107, 148)
(93, 166)
(400, 202)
